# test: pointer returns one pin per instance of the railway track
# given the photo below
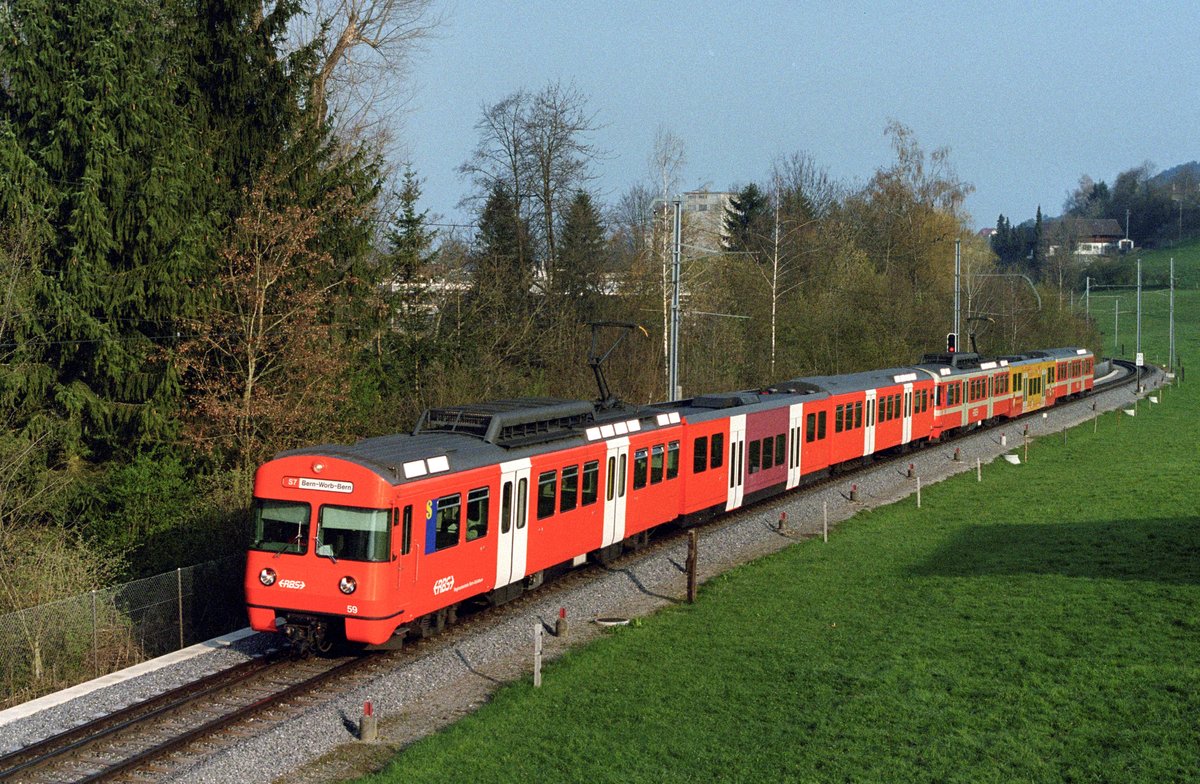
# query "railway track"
(151, 739)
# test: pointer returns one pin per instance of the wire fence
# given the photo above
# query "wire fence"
(63, 643)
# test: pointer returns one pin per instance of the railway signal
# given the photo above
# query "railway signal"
(951, 342)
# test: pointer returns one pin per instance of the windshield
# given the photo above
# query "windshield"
(354, 534)
(281, 526)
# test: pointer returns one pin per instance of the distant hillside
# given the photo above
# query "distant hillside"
(1188, 171)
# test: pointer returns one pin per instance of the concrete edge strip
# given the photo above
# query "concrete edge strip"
(27, 709)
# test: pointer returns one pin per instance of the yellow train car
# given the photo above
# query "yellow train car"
(1029, 378)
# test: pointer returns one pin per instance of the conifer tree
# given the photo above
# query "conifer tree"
(92, 93)
(746, 218)
(578, 283)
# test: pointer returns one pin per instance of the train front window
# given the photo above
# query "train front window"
(353, 533)
(281, 526)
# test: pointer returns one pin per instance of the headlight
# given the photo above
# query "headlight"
(347, 585)
(267, 576)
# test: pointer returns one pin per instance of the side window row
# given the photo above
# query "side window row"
(577, 489)
(654, 463)
(890, 407)
(848, 417)
(446, 515)
(766, 453)
(814, 427)
(704, 457)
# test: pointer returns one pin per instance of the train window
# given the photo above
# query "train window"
(612, 476)
(717, 451)
(810, 428)
(779, 447)
(547, 493)
(858, 414)
(820, 425)
(570, 489)
(477, 513)
(522, 502)
(621, 477)
(353, 533)
(768, 454)
(755, 456)
(406, 531)
(1050, 374)
(640, 463)
(700, 455)
(656, 464)
(506, 508)
(281, 526)
(591, 482)
(672, 460)
(447, 511)
(837, 419)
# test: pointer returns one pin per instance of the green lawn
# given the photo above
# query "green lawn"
(1041, 626)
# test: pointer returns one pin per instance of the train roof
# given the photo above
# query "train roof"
(703, 407)
(459, 438)
(859, 382)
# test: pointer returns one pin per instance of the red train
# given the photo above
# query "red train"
(389, 536)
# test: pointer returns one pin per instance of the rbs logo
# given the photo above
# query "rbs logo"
(443, 585)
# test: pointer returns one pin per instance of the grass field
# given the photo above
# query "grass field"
(1041, 626)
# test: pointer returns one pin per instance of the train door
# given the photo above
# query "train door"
(869, 423)
(615, 482)
(402, 547)
(795, 438)
(906, 431)
(737, 456)
(513, 543)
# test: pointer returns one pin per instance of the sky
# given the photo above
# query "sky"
(1026, 96)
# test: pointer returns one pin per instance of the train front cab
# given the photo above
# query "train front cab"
(320, 566)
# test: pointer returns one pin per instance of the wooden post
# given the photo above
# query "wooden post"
(825, 521)
(918, 492)
(537, 654)
(978, 470)
(693, 541)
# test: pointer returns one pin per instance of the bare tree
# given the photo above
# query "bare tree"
(366, 48)
(666, 169)
(556, 126)
(535, 146)
(501, 157)
(259, 355)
